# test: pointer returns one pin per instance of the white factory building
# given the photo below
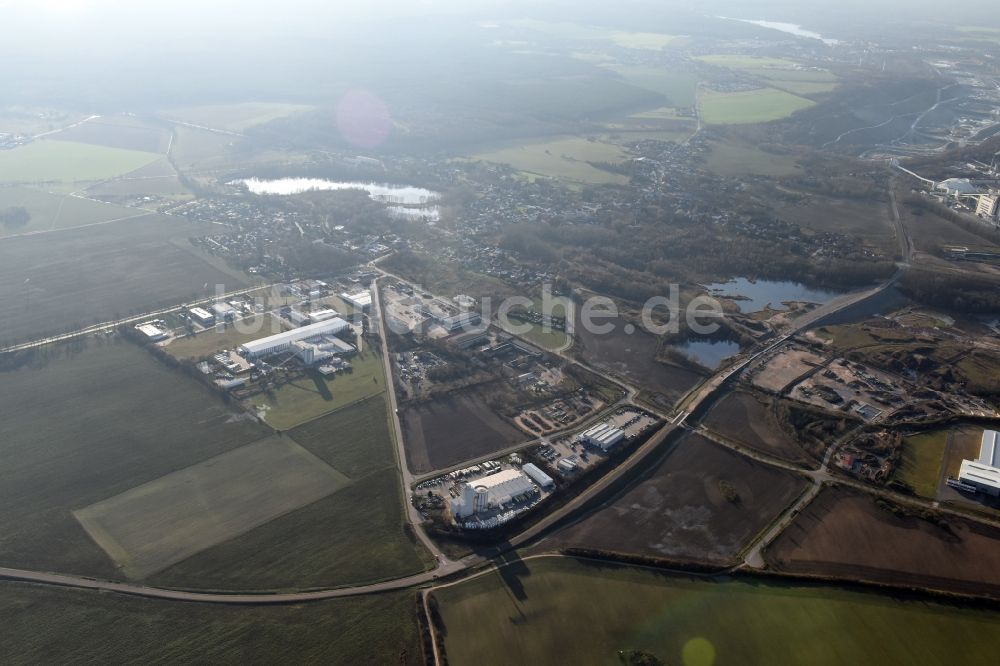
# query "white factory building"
(280, 342)
(538, 476)
(323, 350)
(984, 471)
(603, 435)
(152, 331)
(362, 300)
(202, 316)
(224, 311)
(490, 492)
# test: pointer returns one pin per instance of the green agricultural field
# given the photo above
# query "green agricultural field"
(578, 31)
(215, 339)
(79, 427)
(782, 74)
(546, 339)
(50, 212)
(563, 158)
(539, 335)
(920, 466)
(66, 161)
(660, 113)
(126, 132)
(677, 86)
(75, 278)
(733, 61)
(356, 535)
(153, 526)
(752, 106)
(234, 117)
(562, 611)
(46, 624)
(305, 399)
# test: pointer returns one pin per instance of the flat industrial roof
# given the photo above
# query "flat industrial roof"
(360, 298)
(982, 474)
(288, 337)
(201, 312)
(989, 450)
(498, 479)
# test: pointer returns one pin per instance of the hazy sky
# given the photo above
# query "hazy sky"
(90, 51)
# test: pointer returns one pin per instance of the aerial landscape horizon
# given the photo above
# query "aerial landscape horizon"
(500, 332)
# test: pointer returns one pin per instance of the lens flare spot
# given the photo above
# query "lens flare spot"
(698, 652)
(363, 119)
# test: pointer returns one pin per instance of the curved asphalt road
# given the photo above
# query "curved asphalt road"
(446, 566)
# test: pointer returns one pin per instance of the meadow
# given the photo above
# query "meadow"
(920, 464)
(48, 160)
(234, 117)
(82, 426)
(50, 212)
(356, 535)
(784, 74)
(160, 523)
(310, 397)
(737, 158)
(45, 624)
(124, 132)
(577, 31)
(563, 158)
(751, 106)
(229, 336)
(695, 622)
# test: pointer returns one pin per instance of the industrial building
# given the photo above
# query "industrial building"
(538, 476)
(459, 321)
(491, 492)
(280, 342)
(298, 317)
(362, 300)
(603, 435)
(152, 331)
(983, 473)
(224, 311)
(202, 316)
(322, 315)
(987, 206)
(323, 350)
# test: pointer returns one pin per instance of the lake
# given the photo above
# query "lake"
(406, 195)
(789, 28)
(709, 353)
(756, 296)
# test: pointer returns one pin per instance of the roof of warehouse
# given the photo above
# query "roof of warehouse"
(287, 337)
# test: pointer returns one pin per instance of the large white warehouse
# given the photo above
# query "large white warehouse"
(280, 342)
(490, 492)
(984, 472)
(603, 435)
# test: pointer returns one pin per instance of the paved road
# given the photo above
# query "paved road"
(81, 582)
(444, 565)
(108, 326)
